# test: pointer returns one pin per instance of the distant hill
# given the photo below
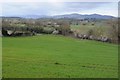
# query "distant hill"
(79, 16)
(9, 17)
(74, 16)
(35, 16)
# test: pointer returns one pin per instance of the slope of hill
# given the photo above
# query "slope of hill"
(50, 56)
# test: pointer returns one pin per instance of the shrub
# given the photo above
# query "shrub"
(48, 30)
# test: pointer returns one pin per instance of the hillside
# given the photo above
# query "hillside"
(50, 56)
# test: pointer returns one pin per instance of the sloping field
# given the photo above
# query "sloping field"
(47, 56)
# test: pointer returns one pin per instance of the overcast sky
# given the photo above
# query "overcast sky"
(58, 8)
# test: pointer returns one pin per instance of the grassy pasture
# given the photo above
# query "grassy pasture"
(81, 28)
(47, 56)
(0, 57)
(98, 29)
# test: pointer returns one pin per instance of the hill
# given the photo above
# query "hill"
(74, 16)
(79, 16)
(50, 56)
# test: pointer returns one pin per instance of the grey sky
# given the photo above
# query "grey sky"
(58, 8)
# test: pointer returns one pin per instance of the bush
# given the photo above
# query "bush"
(4, 32)
(48, 30)
(37, 29)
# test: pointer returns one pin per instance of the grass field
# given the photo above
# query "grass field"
(89, 26)
(81, 28)
(97, 29)
(47, 56)
(0, 58)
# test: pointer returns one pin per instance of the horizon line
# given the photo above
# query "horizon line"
(58, 15)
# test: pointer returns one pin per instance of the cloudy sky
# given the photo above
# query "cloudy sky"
(58, 8)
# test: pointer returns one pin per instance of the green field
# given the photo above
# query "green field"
(81, 28)
(96, 29)
(50, 56)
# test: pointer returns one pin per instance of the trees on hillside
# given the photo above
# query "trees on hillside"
(64, 28)
(113, 30)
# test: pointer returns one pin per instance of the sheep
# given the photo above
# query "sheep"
(55, 32)
(91, 37)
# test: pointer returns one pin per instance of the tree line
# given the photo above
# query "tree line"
(27, 27)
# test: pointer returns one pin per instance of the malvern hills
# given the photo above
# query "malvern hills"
(74, 16)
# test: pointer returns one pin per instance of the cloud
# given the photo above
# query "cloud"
(59, 0)
(57, 8)
(105, 9)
